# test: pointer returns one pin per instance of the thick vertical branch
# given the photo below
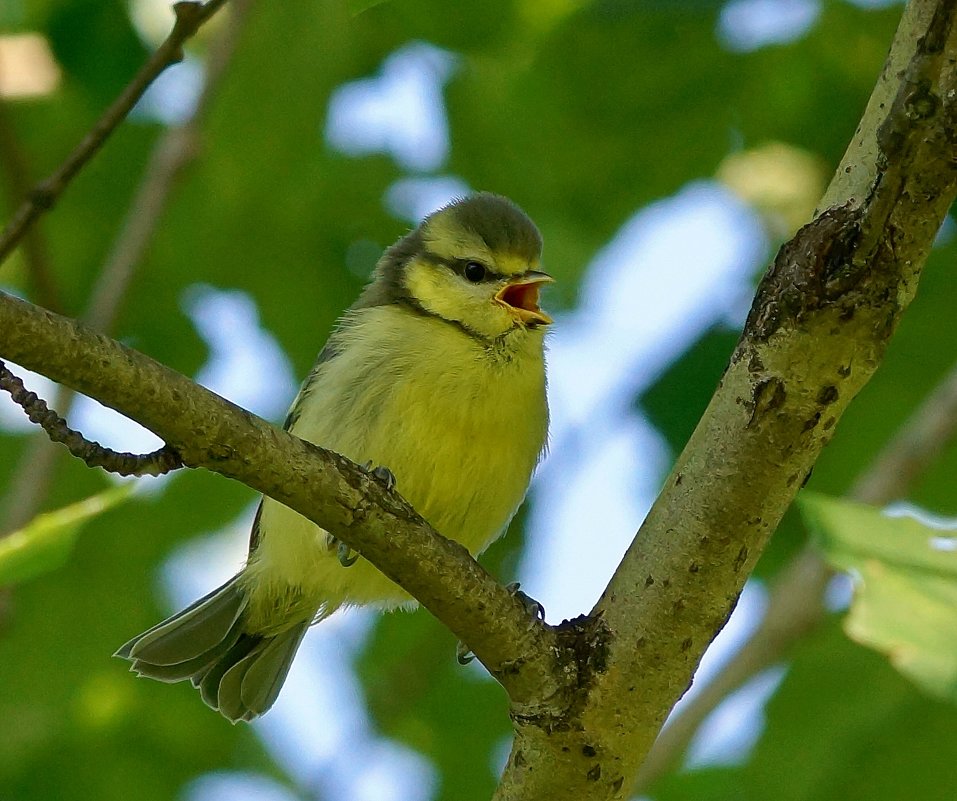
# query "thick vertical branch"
(796, 605)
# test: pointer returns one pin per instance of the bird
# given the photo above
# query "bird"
(434, 380)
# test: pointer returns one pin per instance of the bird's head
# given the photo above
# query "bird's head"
(474, 263)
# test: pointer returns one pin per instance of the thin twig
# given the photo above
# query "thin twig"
(156, 463)
(796, 605)
(175, 150)
(189, 17)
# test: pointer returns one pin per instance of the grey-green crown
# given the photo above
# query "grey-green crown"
(498, 222)
(495, 219)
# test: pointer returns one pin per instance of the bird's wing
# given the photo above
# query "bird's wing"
(331, 349)
(329, 352)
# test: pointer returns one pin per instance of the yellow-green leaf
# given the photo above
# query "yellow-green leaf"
(905, 598)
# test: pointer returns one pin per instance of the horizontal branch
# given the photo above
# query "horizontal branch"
(210, 432)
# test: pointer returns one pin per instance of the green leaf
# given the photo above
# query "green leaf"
(46, 542)
(905, 602)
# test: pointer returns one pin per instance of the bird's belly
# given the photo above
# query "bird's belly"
(462, 450)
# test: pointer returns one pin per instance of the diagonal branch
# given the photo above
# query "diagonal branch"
(190, 15)
(796, 605)
(175, 150)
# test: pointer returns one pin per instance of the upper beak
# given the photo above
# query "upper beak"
(520, 297)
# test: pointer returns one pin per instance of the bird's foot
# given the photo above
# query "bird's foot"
(383, 474)
(532, 606)
(464, 655)
(346, 556)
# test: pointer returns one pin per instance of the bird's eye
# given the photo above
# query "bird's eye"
(474, 271)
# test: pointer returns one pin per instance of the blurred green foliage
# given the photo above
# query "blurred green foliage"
(581, 111)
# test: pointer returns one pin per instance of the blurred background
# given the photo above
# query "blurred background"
(665, 149)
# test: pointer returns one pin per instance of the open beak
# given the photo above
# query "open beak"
(520, 297)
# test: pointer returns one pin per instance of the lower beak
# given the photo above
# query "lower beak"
(520, 297)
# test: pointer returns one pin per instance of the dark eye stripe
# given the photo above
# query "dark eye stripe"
(435, 258)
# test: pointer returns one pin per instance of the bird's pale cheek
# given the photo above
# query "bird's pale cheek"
(490, 319)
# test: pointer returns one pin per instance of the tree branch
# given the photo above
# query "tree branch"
(156, 463)
(817, 331)
(190, 15)
(796, 604)
(175, 150)
(208, 431)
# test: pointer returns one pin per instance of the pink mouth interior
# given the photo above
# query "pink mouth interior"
(521, 296)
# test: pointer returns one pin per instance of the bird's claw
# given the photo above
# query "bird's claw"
(464, 655)
(346, 556)
(532, 606)
(382, 473)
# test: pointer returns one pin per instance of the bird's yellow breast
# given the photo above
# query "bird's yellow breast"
(460, 423)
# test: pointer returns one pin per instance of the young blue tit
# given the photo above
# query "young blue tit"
(436, 373)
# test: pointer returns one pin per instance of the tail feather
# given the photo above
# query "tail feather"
(265, 675)
(170, 674)
(192, 632)
(209, 682)
(230, 691)
(236, 672)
